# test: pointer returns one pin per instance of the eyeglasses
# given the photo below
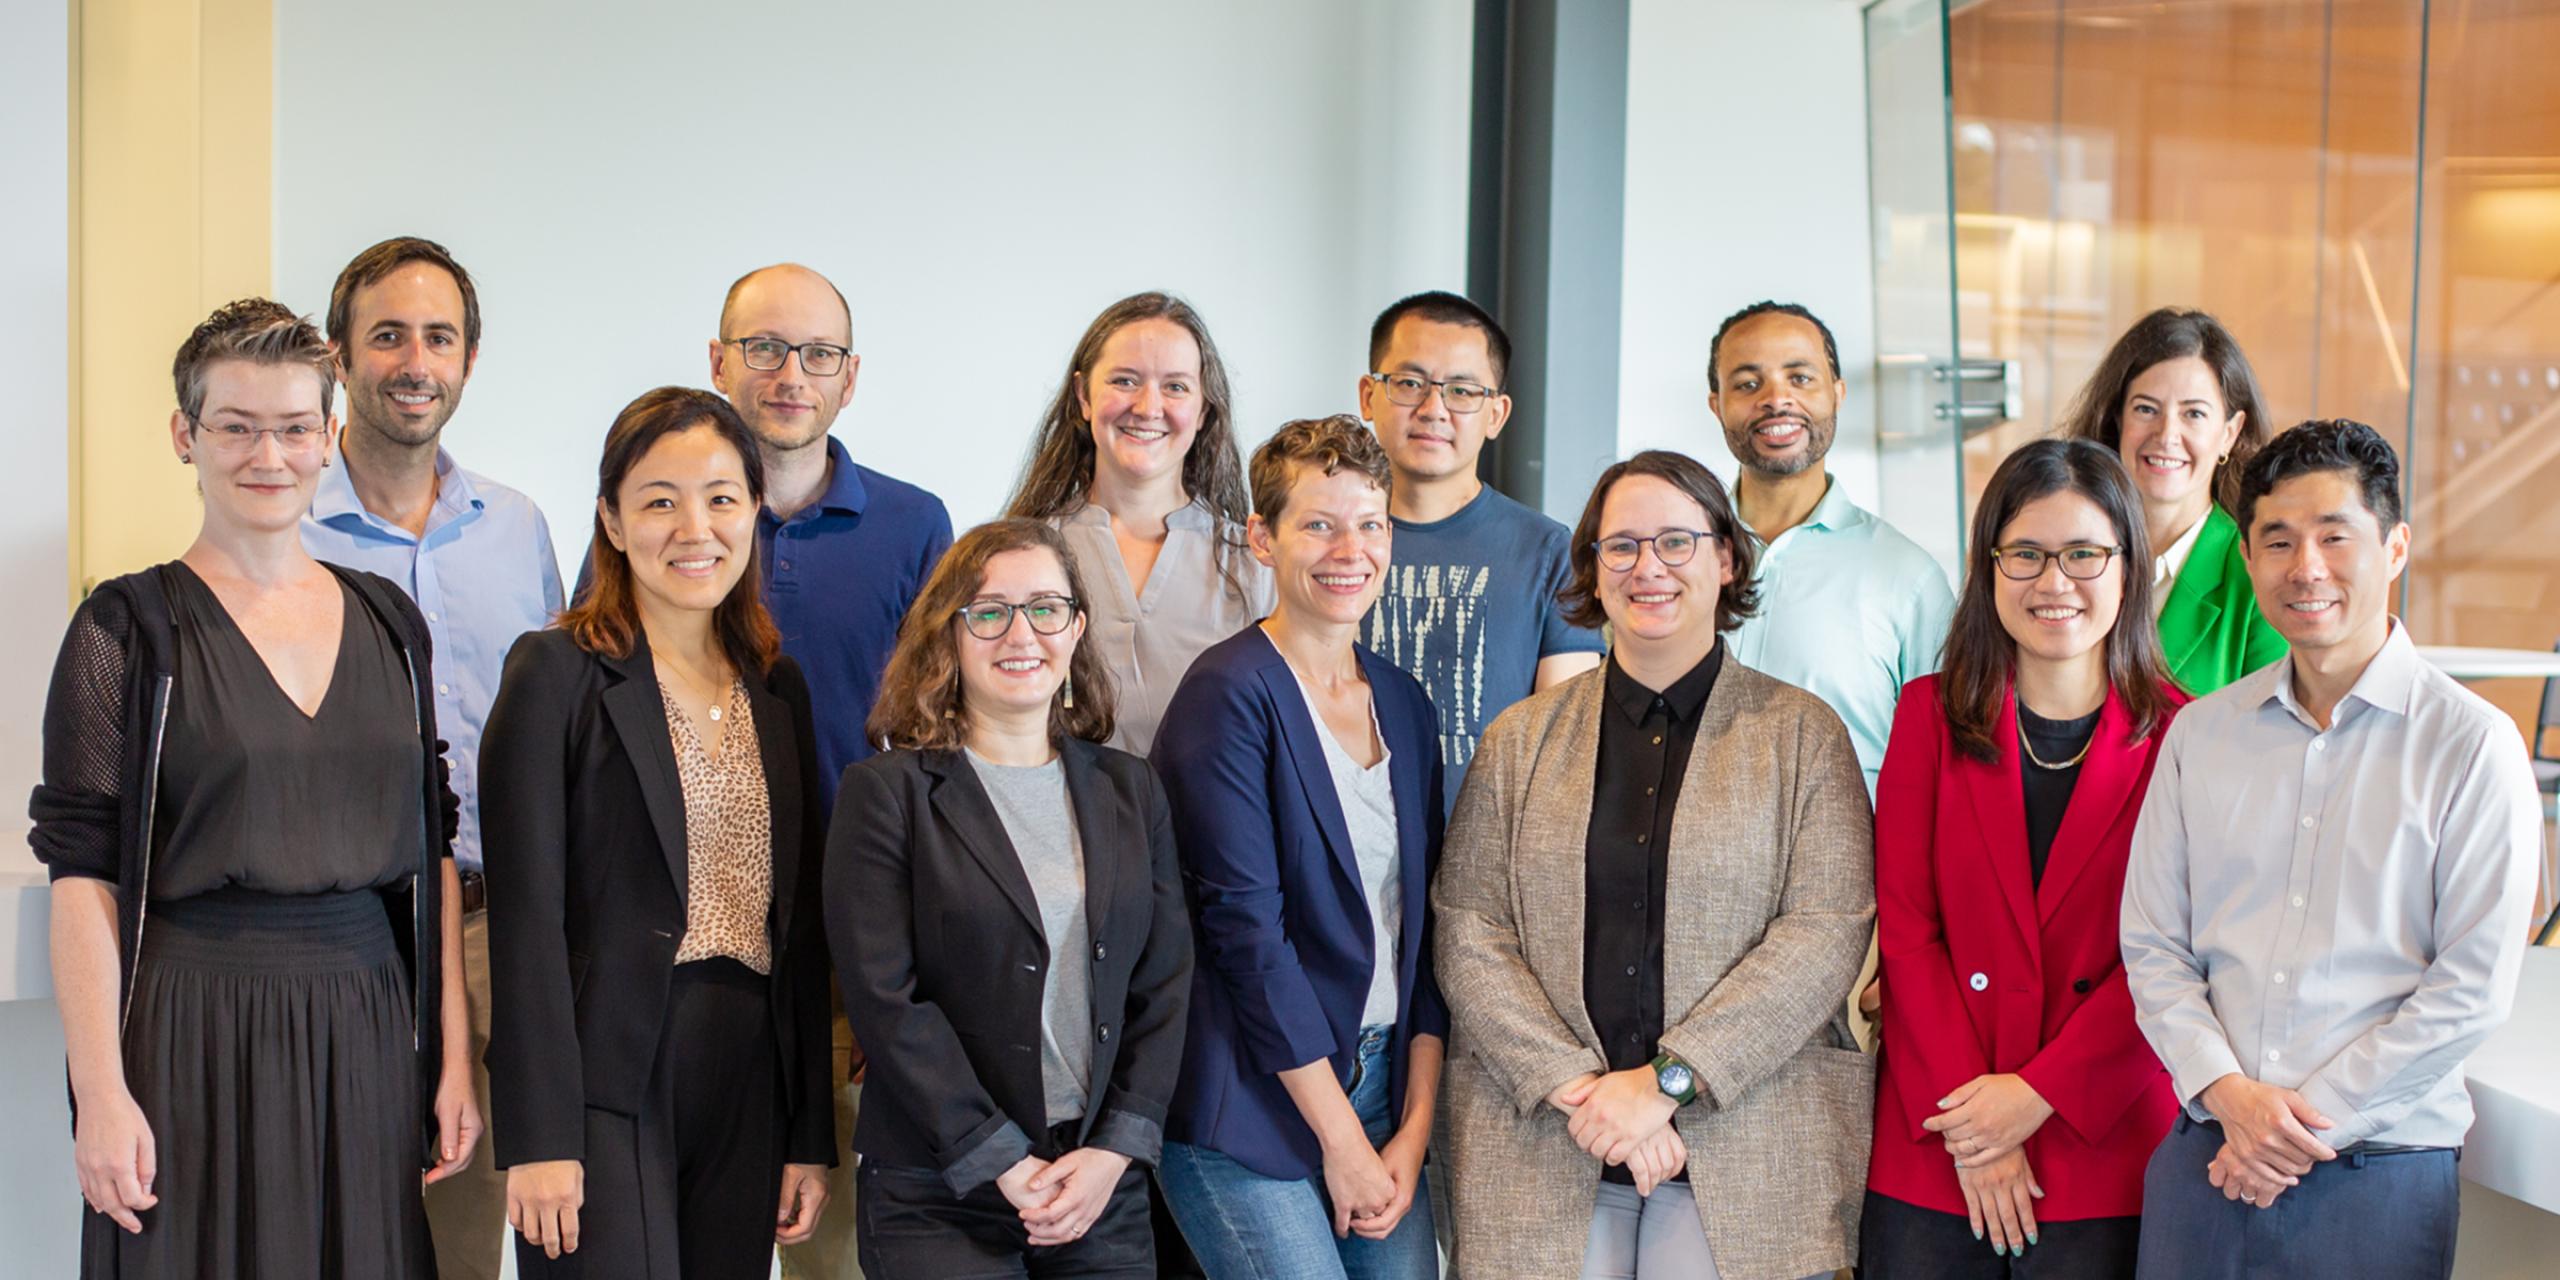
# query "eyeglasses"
(1411, 389)
(1673, 547)
(2079, 560)
(991, 619)
(817, 359)
(241, 438)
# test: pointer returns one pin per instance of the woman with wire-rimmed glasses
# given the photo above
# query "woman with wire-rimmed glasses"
(1009, 936)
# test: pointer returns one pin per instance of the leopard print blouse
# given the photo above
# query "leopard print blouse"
(728, 837)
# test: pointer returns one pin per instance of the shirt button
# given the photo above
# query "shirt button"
(1979, 982)
(2279, 978)
(2297, 900)
(2306, 824)
(1642, 839)
(1639, 902)
(2274, 1055)
(2319, 744)
(1657, 739)
(786, 564)
(431, 615)
(1648, 791)
(1103, 1033)
(1101, 951)
(1631, 971)
(444, 688)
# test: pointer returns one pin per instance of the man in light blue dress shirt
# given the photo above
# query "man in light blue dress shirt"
(477, 558)
(1850, 609)
(2326, 907)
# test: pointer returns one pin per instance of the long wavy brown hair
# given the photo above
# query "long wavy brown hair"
(921, 704)
(607, 618)
(1981, 655)
(2173, 333)
(1059, 473)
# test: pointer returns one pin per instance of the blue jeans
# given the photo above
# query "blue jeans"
(1245, 1226)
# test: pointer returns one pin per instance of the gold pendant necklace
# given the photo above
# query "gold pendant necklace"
(2024, 746)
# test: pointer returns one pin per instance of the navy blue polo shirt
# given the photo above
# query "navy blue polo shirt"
(838, 578)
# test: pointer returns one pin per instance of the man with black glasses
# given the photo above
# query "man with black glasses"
(844, 551)
(1470, 602)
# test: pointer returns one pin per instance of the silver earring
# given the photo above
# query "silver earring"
(187, 458)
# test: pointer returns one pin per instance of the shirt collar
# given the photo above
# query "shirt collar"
(844, 484)
(334, 501)
(1684, 697)
(1832, 514)
(1192, 517)
(2389, 681)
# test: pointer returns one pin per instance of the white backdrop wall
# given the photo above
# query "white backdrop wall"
(980, 177)
(1746, 179)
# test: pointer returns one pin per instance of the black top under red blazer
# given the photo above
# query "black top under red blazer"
(941, 958)
(1987, 971)
(582, 819)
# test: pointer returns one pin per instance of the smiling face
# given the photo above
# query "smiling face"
(266, 486)
(1142, 399)
(1776, 395)
(2321, 562)
(1426, 441)
(2173, 429)
(785, 408)
(1654, 606)
(2054, 616)
(404, 360)
(685, 519)
(1328, 549)
(1020, 670)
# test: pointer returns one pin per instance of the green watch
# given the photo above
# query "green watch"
(1675, 1079)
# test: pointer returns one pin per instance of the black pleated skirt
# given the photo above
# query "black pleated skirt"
(271, 1047)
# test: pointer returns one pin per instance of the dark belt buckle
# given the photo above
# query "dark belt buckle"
(475, 891)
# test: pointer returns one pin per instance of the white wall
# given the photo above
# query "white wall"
(979, 178)
(1746, 179)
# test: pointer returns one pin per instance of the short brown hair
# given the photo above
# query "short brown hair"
(370, 266)
(1330, 444)
(920, 704)
(1740, 598)
(257, 330)
(607, 617)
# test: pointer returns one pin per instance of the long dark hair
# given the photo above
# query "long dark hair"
(920, 703)
(607, 618)
(1740, 598)
(1059, 473)
(1981, 655)
(2173, 333)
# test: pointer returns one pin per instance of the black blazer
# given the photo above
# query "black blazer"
(582, 818)
(940, 956)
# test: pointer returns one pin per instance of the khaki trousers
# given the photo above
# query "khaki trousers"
(467, 1213)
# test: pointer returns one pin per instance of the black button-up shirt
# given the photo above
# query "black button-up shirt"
(1645, 737)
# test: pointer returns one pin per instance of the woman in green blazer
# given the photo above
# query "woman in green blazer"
(2177, 401)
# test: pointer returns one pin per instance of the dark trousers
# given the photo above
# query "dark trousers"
(2390, 1216)
(908, 1226)
(1898, 1240)
(688, 1191)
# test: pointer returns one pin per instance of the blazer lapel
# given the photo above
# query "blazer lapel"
(1098, 826)
(2106, 784)
(780, 750)
(962, 803)
(2000, 813)
(1298, 730)
(2195, 597)
(639, 715)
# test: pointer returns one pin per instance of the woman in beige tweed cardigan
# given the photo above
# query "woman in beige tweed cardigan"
(1770, 895)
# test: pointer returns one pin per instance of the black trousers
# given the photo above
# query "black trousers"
(689, 1190)
(2365, 1213)
(908, 1226)
(1898, 1240)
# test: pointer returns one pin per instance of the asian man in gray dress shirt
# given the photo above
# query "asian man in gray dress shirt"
(2326, 908)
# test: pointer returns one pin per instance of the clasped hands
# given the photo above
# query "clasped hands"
(1059, 1200)
(1624, 1118)
(2267, 1141)
(1986, 1122)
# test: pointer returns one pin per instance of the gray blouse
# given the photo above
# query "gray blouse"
(1148, 639)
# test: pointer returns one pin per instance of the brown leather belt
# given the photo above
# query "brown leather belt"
(475, 891)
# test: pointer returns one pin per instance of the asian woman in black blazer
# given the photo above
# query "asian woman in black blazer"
(658, 1040)
(1009, 935)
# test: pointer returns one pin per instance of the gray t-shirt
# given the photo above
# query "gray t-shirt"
(1041, 822)
(1469, 608)
(1368, 799)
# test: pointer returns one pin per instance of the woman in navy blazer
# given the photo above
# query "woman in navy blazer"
(1304, 774)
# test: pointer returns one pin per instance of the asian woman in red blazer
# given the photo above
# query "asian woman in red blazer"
(2018, 1103)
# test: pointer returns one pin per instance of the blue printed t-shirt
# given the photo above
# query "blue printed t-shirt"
(1469, 608)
